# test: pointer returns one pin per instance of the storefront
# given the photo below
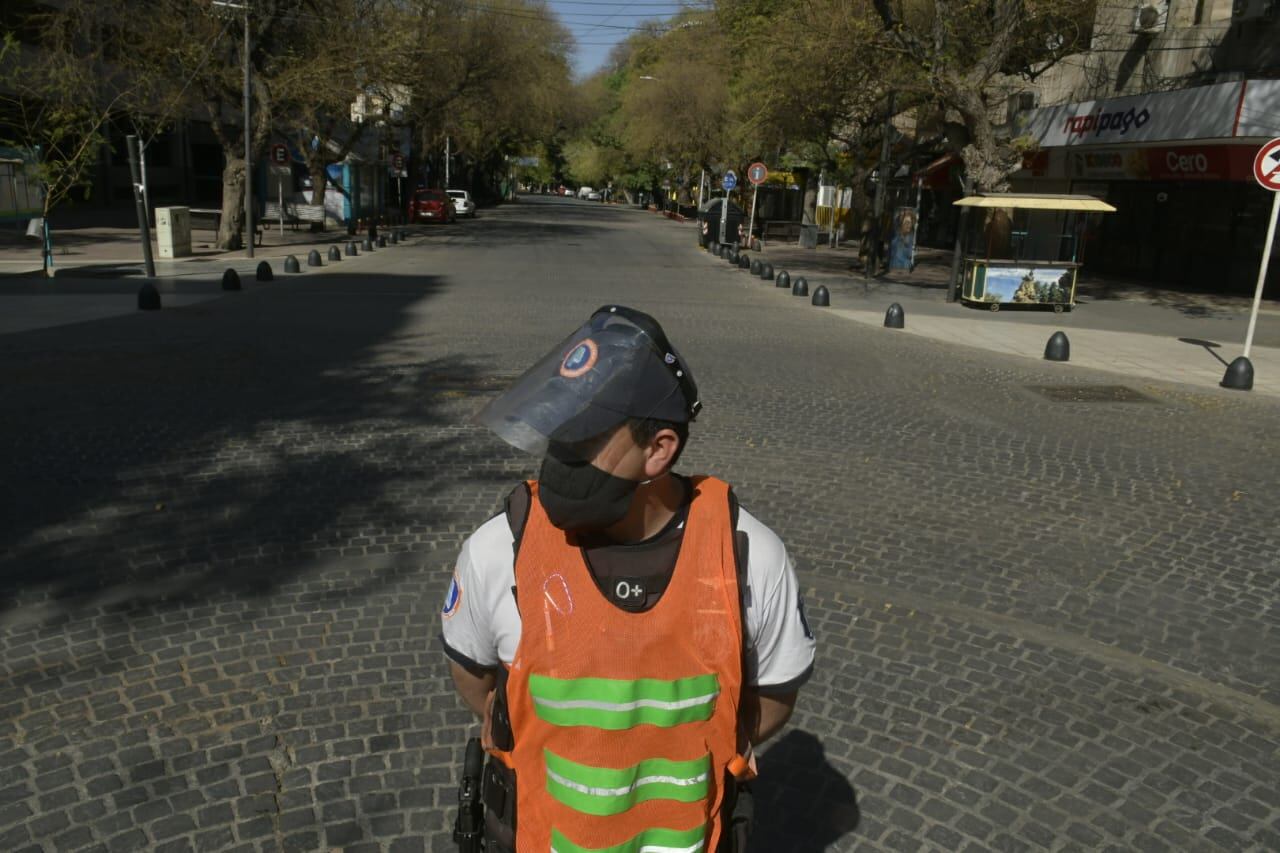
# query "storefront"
(1178, 168)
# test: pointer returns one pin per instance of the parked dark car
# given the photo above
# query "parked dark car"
(431, 206)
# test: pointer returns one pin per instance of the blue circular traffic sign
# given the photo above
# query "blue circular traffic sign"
(730, 180)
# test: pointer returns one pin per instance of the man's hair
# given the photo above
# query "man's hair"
(643, 431)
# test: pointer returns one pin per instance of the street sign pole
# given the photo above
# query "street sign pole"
(751, 222)
(724, 217)
(1266, 171)
(730, 181)
(1262, 272)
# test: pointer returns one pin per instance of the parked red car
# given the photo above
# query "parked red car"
(431, 206)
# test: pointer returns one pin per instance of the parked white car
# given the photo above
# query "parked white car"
(462, 203)
(583, 192)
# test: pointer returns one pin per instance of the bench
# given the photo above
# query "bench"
(214, 218)
(294, 214)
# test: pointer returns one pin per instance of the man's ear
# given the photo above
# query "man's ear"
(661, 453)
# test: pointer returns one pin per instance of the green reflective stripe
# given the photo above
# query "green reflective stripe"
(649, 841)
(605, 791)
(614, 704)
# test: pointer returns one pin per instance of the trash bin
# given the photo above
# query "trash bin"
(709, 222)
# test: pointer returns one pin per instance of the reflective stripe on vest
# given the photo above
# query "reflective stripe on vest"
(649, 841)
(604, 791)
(614, 704)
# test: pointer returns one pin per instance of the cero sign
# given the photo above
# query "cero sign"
(1196, 163)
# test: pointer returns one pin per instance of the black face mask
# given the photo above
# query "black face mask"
(579, 496)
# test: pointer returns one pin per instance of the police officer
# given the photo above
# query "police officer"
(626, 633)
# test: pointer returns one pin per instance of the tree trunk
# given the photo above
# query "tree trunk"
(229, 231)
(987, 160)
(319, 172)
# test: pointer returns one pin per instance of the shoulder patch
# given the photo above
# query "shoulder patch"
(453, 599)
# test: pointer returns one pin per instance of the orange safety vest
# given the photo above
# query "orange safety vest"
(625, 724)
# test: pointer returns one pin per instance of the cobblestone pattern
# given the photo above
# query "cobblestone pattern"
(227, 530)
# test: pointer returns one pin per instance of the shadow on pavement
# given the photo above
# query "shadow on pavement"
(803, 803)
(221, 446)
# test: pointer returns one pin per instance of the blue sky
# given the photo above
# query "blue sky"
(597, 25)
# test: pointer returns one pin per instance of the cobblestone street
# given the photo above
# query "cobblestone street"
(1046, 619)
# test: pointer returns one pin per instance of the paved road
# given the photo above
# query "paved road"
(226, 529)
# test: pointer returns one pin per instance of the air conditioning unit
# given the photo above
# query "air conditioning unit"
(1151, 18)
(1252, 10)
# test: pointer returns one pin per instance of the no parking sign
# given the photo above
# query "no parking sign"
(1266, 170)
(1266, 166)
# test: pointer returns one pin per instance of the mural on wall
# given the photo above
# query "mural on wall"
(1025, 286)
(902, 244)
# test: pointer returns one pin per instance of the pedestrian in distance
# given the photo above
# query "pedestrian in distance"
(626, 634)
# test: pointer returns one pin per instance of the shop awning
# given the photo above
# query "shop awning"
(1037, 202)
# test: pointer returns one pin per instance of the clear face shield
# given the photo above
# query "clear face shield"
(610, 369)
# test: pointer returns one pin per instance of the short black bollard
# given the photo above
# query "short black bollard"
(291, 264)
(334, 254)
(395, 237)
(783, 279)
(756, 266)
(404, 235)
(821, 297)
(352, 251)
(766, 271)
(367, 245)
(734, 254)
(801, 287)
(264, 272)
(382, 241)
(231, 280)
(313, 258)
(1239, 375)
(148, 298)
(744, 261)
(894, 318)
(1058, 348)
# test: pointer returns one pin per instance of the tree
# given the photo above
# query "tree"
(56, 104)
(492, 77)
(326, 65)
(952, 55)
(198, 49)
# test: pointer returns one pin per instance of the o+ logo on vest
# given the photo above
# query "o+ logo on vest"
(580, 359)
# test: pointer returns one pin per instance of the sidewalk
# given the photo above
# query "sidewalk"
(1135, 329)
(99, 270)
(112, 251)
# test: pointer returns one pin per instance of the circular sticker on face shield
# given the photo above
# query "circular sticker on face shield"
(579, 360)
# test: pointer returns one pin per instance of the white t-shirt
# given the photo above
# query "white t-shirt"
(481, 624)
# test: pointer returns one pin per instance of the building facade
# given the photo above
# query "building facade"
(1162, 118)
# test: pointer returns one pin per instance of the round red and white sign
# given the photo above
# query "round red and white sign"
(757, 173)
(1266, 166)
